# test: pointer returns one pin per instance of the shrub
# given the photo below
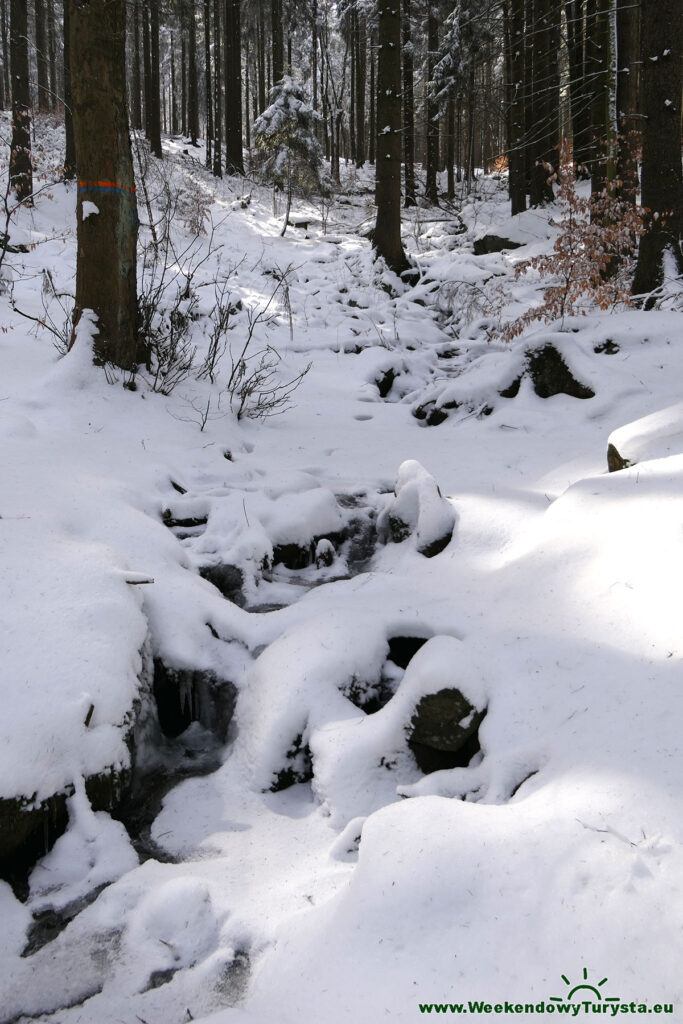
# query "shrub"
(593, 257)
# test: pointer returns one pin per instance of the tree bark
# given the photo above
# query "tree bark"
(137, 101)
(233, 88)
(5, 51)
(247, 94)
(155, 92)
(450, 149)
(598, 67)
(361, 74)
(261, 60)
(105, 268)
(217, 87)
(20, 171)
(314, 52)
(579, 86)
(628, 99)
(546, 100)
(373, 102)
(147, 68)
(408, 108)
(387, 233)
(517, 128)
(276, 39)
(432, 109)
(207, 83)
(70, 148)
(51, 54)
(662, 179)
(192, 89)
(42, 58)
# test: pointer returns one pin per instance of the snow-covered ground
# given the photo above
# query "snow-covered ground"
(554, 858)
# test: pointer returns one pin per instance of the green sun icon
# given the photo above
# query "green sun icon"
(585, 988)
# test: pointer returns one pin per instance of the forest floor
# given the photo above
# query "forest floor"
(291, 862)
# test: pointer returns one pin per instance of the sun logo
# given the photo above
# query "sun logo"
(584, 987)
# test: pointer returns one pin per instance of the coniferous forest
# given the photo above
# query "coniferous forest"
(341, 492)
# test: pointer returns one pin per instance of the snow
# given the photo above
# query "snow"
(93, 851)
(88, 209)
(366, 887)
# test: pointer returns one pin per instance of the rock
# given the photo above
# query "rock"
(229, 579)
(550, 376)
(402, 649)
(443, 730)
(418, 509)
(324, 553)
(493, 243)
(386, 382)
(656, 436)
(30, 828)
(298, 768)
(615, 461)
(608, 348)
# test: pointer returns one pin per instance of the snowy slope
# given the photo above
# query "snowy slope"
(367, 888)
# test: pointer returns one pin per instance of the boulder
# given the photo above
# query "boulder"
(420, 510)
(493, 243)
(444, 730)
(653, 437)
(550, 376)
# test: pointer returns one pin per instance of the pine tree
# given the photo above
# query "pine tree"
(285, 137)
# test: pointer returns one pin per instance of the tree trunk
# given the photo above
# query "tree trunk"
(192, 90)
(516, 138)
(137, 102)
(314, 52)
(41, 57)
(207, 83)
(5, 51)
(579, 83)
(52, 54)
(247, 95)
(662, 180)
(217, 89)
(233, 88)
(69, 149)
(147, 68)
(155, 93)
(408, 108)
(546, 100)
(450, 149)
(183, 72)
(261, 60)
(373, 103)
(105, 268)
(360, 75)
(276, 38)
(598, 66)
(352, 91)
(387, 234)
(628, 99)
(432, 109)
(20, 172)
